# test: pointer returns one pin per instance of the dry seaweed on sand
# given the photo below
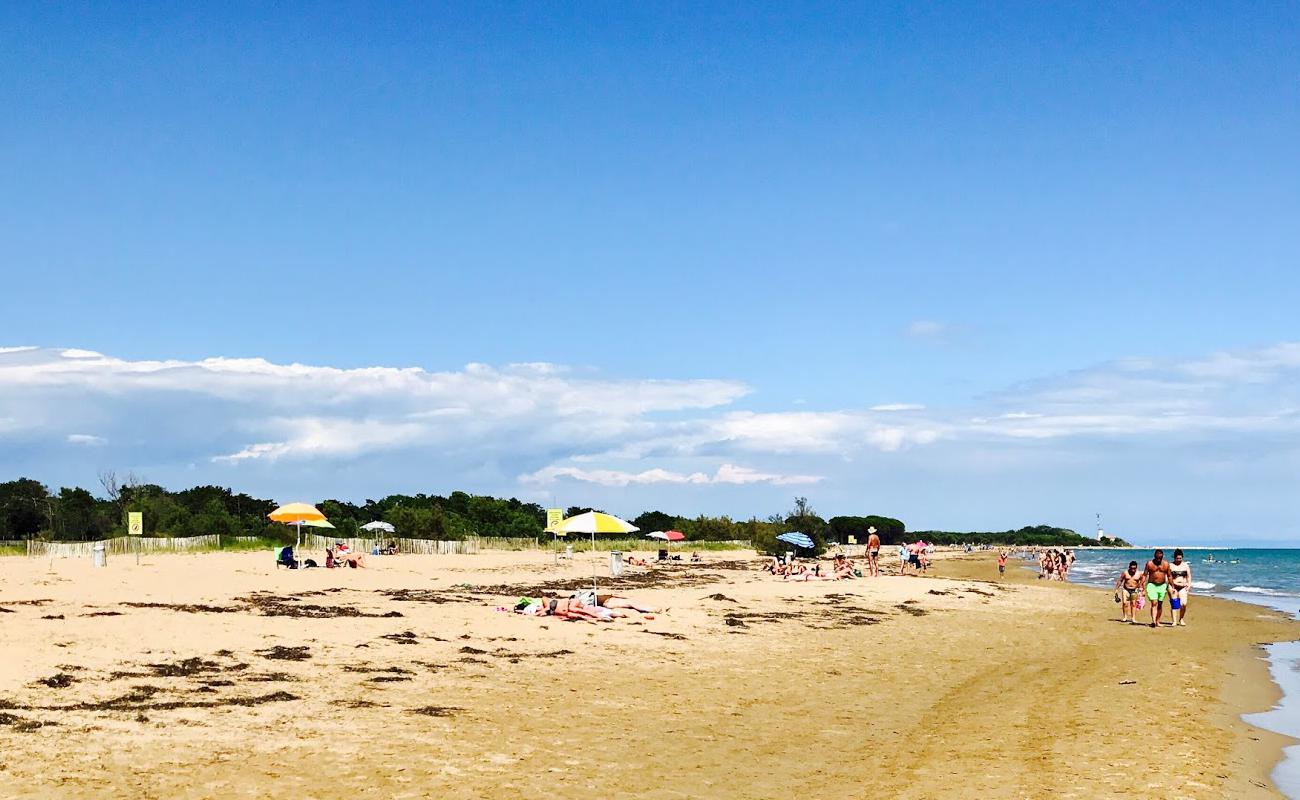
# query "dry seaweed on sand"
(667, 635)
(282, 653)
(437, 711)
(19, 724)
(271, 605)
(141, 698)
(425, 596)
(185, 668)
(654, 579)
(269, 677)
(190, 608)
(60, 680)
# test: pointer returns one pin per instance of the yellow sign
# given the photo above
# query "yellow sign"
(554, 516)
(853, 540)
(135, 523)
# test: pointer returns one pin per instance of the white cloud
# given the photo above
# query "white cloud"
(86, 438)
(542, 423)
(725, 474)
(927, 330)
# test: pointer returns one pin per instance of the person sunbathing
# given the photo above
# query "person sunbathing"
(590, 599)
(638, 562)
(572, 609)
(843, 568)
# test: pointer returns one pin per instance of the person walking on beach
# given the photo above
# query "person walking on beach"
(902, 559)
(1127, 587)
(1180, 585)
(1002, 563)
(873, 553)
(1156, 579)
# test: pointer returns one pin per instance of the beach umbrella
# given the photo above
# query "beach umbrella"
(667, 536)
(296, 514)
(595, 522)
(379, 526)
(797, 539)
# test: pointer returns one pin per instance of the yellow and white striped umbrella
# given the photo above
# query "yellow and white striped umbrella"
(595, 522)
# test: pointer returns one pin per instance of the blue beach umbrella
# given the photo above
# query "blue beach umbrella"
(797, 539)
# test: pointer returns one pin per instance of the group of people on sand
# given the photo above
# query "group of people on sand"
(583, 606)
(913, 557)
(1054, 564)
(1158, 581)
(841, 567)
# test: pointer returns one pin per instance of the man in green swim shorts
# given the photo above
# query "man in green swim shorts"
(1156, 578)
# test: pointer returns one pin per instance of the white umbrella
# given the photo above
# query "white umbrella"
(379, 526)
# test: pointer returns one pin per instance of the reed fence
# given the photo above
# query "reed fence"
(123, 545)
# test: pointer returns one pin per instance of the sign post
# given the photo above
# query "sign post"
(554, 516)
(135, 527)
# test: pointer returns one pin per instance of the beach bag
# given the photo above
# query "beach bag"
(587, 597)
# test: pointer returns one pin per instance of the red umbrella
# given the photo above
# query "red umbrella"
(674, 536)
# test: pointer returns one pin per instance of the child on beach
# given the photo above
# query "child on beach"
(1002, 563)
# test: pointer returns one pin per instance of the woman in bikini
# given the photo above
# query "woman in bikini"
(1180, 586)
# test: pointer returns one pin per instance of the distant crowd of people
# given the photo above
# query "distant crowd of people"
(1054, 564)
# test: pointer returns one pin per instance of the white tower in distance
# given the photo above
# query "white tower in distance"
(1101, 534)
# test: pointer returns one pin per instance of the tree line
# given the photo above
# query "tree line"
(30, 510)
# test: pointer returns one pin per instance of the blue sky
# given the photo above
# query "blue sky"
(743, 228)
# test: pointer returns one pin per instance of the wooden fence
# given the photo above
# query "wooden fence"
(123, 545)
(424, 547)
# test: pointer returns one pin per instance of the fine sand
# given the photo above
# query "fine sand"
(216, 675)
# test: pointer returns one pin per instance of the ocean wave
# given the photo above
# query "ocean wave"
(1203, 584)
(1260, 590)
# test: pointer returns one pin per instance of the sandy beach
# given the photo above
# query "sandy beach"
(215, 675)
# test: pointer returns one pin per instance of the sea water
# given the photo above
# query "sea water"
(1264, 577)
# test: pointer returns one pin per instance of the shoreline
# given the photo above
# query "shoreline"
(1251, 691)
(215, 675)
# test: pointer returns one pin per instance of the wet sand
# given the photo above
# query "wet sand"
(216, 675)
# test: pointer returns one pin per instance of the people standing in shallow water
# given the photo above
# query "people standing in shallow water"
(1180, 586)
(1127, 587)
(1156, 579)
